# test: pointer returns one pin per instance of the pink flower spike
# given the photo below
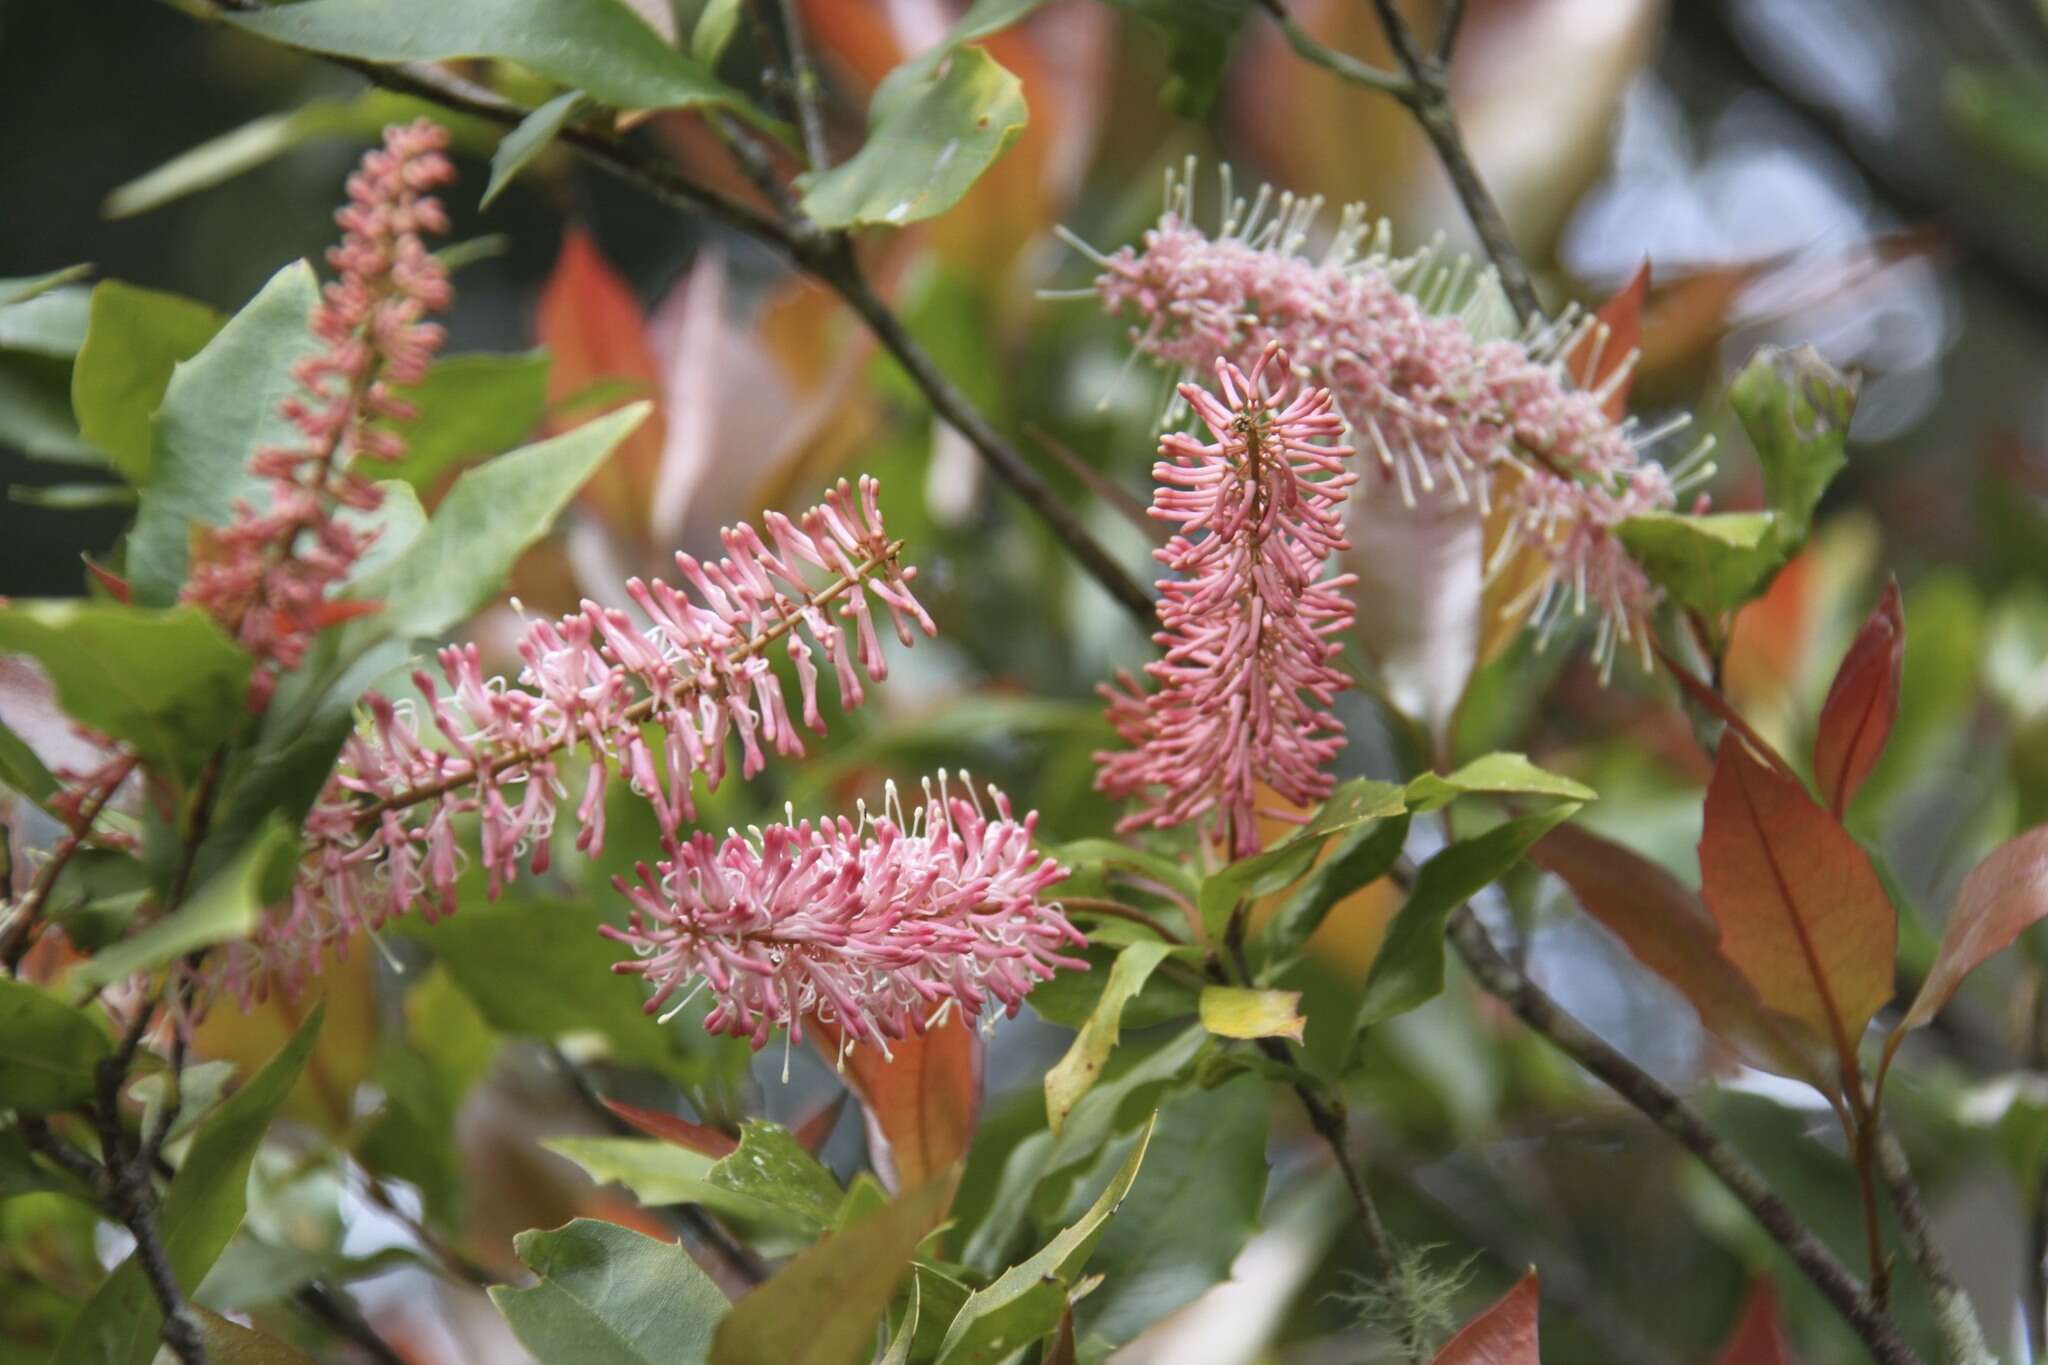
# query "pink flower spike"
(873, 927)
(1242, 695)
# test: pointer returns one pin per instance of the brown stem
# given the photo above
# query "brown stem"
(14, 943)
(1661, 1106)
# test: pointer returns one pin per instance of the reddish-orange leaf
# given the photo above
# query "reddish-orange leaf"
(669, 1128)
(2002, 895)
(922, 1105)
(1668, 930)
(116, 586)
(331, 612)
(1712, 702)
(1600, 354)
(811, 1131)
(1857, 717)
(595, 332)
(1758, 1339)
(1504, 1334)
(1802, 913)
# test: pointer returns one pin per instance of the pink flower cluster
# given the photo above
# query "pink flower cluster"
(873, 926)
(1243, 692)
(266, 574)
(1439, 407)
(384, 836)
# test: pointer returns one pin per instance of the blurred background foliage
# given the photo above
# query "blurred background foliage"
(1865, 175)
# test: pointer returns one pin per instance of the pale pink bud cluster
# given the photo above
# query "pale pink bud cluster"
(651, 701)
(1441, 409)
(874, 927)
(267, 573)
(1243, 692)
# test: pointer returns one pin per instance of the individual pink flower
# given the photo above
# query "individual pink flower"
(602, 697)
(1242, 695)
(265, 575)
(1438, 407)
(874, 926)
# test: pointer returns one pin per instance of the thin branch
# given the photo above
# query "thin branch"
(14, 943)
(337, 1311)
(1536, 1009)
(1344, 65)
(1962, 1336)
(828, 257)
(805, 89)
(1447, 36)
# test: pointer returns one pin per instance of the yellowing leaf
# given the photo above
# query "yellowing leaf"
(1235, 1012)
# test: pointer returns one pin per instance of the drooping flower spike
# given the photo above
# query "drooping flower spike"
(875, 927)
(266, 574)
(1439, 408)
(1242, 694)
(654, 704)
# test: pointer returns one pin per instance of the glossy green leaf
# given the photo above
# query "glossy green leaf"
(469, 406)
(1409, 969)
(220, 407)
(1279, 867)
(1498, 774)
(599, 46)
(47, 1050)
(264, 139)
(1714, 562)
(1016, 1309)
(489, 518)
(1074, 1074)
(168, 682)
(770, 1166)
(1796, 408)
(119, 1324)
(716, 23)
(661, 1173)
(50, 324)
(134, 339)
(25, 287)
(528, 141)
(925, 147)
(226, 907)
(1361, 857)
(21, 770)
(610, 1296)
(898, 1352)
(822, 1308)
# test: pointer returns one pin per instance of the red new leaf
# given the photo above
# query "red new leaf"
(116, 586)
(1600, 354)
(1857, 717)
(1802, 913)
(2002, 895)
(1667, 929)
(1504, 1334)
(1757, 1339)
(920, 1102)
(683, 1133)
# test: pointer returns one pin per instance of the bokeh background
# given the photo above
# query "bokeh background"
(1868, 176)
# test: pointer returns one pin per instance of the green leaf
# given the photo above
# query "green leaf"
(1497, 774)
(1087, 853)
(469, 405)
(610, 1296)
(1796, 408)
(1284, 864)
(1076, 1073)
(1714, 562)
(595, 45)
(49, 324)
(769, 1166)
(226, 907)
(168, 682)
(72, 497)
(716, 23)
(1409, 969)
(230, 1343)
(1016, 1309)
(446, 1050)
(984, 18)
(47, 1050)
(1239, 1012)
(1198, 38)
(489, 518)
(134, 339)
(1189, 1215)
(821, 1308)
(925, 148)
(528, 141)
(220, 408)
(35, 410)
(119, 1324)
(906, 1330)
(21, 770)
(25, 287)
(260, 140)
(1362, 856)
